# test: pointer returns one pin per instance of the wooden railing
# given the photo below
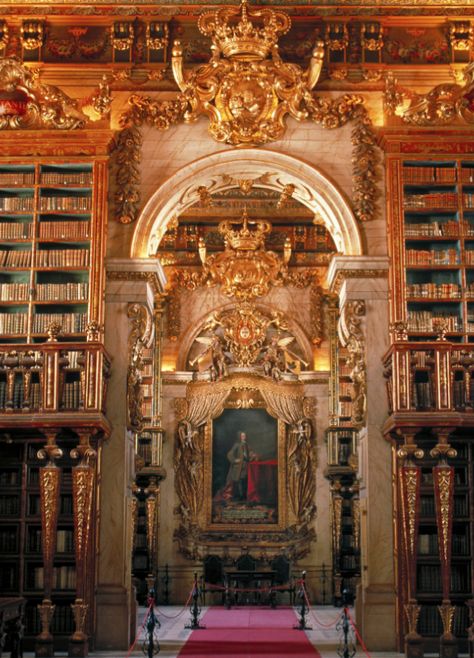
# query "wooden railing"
(430, 377)
(53, 378)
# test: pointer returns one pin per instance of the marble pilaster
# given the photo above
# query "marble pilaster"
(365, 278)
(128, 281)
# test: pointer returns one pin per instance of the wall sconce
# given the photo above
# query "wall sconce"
(157, 39)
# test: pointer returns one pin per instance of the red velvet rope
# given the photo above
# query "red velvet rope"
(181, 611)
(137, 636)
(319, 622)
(358, 635)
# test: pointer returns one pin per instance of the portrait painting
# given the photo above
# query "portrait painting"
(246, 468)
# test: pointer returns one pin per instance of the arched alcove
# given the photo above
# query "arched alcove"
(269, 169)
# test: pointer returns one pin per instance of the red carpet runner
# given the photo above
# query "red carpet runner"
(248, 633)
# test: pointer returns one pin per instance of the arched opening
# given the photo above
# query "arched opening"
(270, 170)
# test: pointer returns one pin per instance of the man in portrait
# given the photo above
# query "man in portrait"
(239, 457)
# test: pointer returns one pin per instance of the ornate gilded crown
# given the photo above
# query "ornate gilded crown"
(244, 33)
(244, 238)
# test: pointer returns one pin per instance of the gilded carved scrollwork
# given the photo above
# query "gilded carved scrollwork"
(444, 104)
(247, 99)
(301, 465)
(49, 483)
(140, 337)
(26, 103)
(352, 337)
(189, 471)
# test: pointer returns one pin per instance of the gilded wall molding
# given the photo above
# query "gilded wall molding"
(342, 275)
(246, 90)
(449, 103)
(26, 103)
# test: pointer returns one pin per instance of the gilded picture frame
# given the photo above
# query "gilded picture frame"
(228, 506)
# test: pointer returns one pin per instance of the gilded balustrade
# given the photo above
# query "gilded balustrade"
(432, 377)
(45, 379)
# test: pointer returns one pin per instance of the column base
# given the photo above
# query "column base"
(448, 647)
(78, 648)
(414, 646)
(44, 647)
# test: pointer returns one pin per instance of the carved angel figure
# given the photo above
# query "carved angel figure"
(277, 358)
(213, 358)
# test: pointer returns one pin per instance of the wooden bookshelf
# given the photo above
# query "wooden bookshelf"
(51, 247)
(432, 240)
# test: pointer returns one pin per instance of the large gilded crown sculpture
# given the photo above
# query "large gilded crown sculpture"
(245, 269)
(244, 33)
(246, 89)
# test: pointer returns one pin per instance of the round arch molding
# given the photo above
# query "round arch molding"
(269, 169)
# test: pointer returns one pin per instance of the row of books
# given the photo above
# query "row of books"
(469, 257)
(433, 290)
(431, 200)
(427, 544)
(422, 395)
(60, 291)
(64, 540)
(72, 395)
(429, 174)
(14, 292)
(345, 408)
(13, 323)
(431, 321)
(71, 323)
(345, 389)
(63, 578)
(15, 230)
(66, 177)
(432, 256)
(63, 230)
(15, 258)
(16, 203)
(9, 505)
(63, 258)
(8, 577)
(9, 477)
(65, 203)
(468, 200)
(8, 540)
(432, 229)
(17, 177)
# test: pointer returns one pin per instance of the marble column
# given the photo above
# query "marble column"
(364, 279)
(128, 282)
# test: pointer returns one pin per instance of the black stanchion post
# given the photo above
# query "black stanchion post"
(347, 648)
(195, 607)
(151, 645)
(323, 583)
(226, 593)
(166, 589)
(303, 611)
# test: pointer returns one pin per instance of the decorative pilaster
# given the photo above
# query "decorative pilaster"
(49, 484)
(409, 478)
(443, 479)
(83, 486)
(151, 506)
